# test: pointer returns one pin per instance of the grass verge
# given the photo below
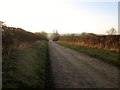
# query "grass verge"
(108, 56)
(25, 68)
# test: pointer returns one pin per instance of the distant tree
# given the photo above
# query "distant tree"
(87, 34)
(43, 33)
(56, 35)
(55, 32)
(83, 33)
(73, 35)
(112, 31)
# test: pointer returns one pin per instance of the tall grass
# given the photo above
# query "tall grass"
(25, 68)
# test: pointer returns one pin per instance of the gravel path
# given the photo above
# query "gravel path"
(71, 69)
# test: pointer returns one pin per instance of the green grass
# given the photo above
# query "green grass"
(25, 67)
(108, 56)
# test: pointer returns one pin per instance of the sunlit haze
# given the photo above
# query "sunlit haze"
(66, 16)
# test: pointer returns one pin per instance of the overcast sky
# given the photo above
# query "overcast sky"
(67, 16)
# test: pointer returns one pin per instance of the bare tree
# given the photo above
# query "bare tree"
(56, 35)
(112, 31)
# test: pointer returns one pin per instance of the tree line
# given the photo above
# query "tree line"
(13, 38)
(108, 42)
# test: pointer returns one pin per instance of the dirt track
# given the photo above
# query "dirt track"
(71, 69)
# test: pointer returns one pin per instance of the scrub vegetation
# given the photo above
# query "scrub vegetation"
(23, 58)
(105, 48)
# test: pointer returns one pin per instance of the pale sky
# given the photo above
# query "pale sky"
(67, 16)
